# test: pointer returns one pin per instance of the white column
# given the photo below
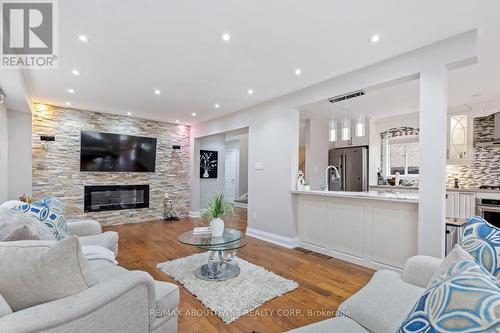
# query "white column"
(3, 154)
(433, 142)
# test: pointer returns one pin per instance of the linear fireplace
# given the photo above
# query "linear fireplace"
(115, 197)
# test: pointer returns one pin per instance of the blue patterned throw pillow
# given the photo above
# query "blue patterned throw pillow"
(482, 241)
(50, 213)
(466, 298)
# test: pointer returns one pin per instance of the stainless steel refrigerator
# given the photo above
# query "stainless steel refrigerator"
(352, 164)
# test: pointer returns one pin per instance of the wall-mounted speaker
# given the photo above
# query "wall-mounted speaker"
(47, 138)
(176, 147)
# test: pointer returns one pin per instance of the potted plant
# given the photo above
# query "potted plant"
(216, 208)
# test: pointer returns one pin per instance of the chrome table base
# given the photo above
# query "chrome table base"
(220, 267)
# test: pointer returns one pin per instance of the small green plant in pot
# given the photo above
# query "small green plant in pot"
(216, 208)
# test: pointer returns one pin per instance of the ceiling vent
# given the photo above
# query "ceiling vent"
(347, 96)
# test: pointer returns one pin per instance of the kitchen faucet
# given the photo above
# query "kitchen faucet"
(335, 177)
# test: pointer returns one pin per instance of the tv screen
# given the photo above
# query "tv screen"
(117, 153)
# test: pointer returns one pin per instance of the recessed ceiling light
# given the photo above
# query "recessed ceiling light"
(250, 91)
(71, 91)
(375, 39)
(68, 103)
(298, 71)
(193, 114)
(83, 38)
(177, 121)
(75, 72)
(157, 92)
(226, 37)
(216, 105)
(129, 113)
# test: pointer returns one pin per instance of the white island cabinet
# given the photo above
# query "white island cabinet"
(373, 229)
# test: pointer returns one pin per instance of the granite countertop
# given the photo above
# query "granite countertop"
(449, 189)
(399, 187)
(372, 195)
(455, 222)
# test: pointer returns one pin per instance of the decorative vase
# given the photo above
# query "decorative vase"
(300, 181)
(217, 227)
(205, 174)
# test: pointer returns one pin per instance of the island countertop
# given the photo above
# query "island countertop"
(372, 195)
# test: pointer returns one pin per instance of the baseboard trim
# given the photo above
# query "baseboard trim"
(286, 242)
(194, 214)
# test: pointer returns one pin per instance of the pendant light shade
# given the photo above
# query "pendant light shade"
(346, 129)
(332, 130)
(361, 125)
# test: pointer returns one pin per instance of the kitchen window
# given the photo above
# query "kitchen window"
(402, 155)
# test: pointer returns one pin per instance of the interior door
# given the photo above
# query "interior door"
(230, 175)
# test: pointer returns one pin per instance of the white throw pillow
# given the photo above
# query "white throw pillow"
(36, 272)
(11, 204)
(17, 226)
(4, 307)
(458, 254)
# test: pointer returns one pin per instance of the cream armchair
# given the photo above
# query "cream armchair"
(89, 232)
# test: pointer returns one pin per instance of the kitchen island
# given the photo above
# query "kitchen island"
(373, 229)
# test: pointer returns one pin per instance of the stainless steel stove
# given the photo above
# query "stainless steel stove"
(488, 204)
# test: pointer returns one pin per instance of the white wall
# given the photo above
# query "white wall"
(209, 187)
(19, 155)
(317, 146)
(3, 153)
(274, 136)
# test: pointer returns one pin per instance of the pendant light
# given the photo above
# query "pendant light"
(361, 125)
(345, 128)
(332, 128)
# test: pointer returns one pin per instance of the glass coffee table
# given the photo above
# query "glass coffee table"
(221, 264)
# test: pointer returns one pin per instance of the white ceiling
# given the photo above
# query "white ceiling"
(478, 84)
(135, 47)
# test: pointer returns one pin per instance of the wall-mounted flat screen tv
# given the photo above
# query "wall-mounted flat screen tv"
(108, 152)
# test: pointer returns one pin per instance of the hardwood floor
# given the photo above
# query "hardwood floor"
(324, 282)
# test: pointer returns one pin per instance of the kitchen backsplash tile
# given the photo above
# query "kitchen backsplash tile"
(485, 168)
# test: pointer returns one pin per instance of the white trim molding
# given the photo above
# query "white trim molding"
(194, 214)
(286, 242)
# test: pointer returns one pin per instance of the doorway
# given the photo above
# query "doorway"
(230, 152)
(231, 173)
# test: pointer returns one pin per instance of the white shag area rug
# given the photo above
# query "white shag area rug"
(232, 298)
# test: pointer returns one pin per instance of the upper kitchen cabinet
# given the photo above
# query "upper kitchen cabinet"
(353, 137)
(460, 138)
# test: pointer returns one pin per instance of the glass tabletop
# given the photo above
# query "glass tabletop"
(229, 236)
(225, 247)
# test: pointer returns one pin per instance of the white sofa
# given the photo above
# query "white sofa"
(383, 304)
(122, 301)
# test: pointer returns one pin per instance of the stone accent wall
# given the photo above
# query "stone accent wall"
(56, 165)
(485, 169)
